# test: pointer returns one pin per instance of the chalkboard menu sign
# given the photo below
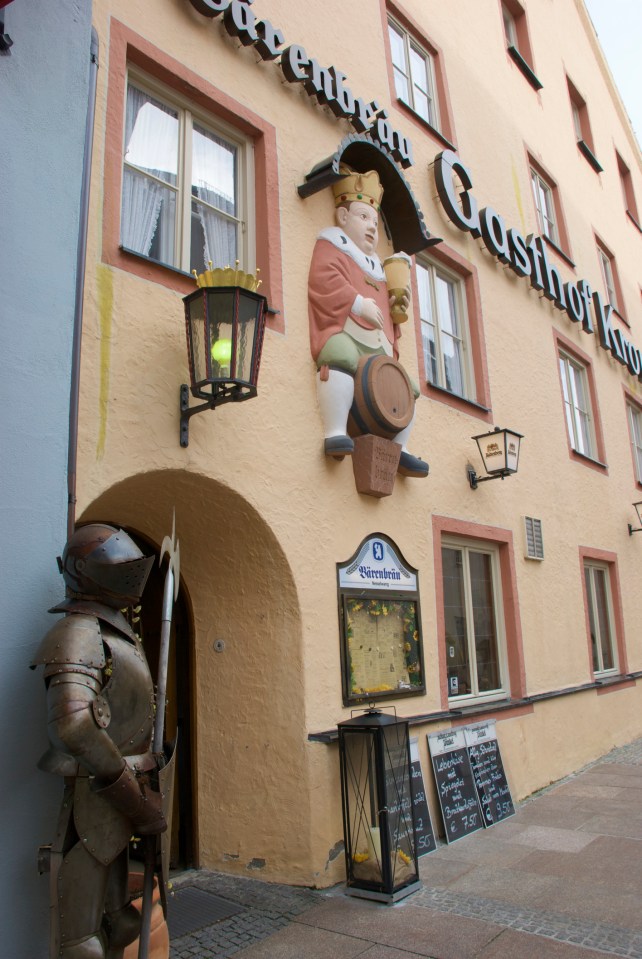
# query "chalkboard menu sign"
(455, 785)
(492, 786)
(424, 834)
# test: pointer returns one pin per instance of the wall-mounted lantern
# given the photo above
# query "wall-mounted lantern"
(637, 529)
(378, 812)
(499, 451)
(225, 322)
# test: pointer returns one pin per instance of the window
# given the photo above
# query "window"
(600, 617)
(474, 634)
(518, 41)
(635, 429)
(442, 310)
(184, 194)
(544, 207)
(414, 76)
(577, 405)
(582, 126)
(610, 278)
(628, 194)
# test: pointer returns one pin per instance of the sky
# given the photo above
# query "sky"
(618, 24)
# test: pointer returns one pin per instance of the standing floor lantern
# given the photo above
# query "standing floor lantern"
(378, 813)
(225, 321)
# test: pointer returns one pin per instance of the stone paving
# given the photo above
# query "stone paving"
(560, 879)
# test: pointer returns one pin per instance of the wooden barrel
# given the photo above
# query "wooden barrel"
(384, 402)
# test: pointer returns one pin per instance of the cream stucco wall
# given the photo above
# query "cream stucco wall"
(263, 517)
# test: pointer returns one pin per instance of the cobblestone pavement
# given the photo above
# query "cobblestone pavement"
(562, 878)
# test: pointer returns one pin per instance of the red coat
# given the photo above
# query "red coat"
(334, 281)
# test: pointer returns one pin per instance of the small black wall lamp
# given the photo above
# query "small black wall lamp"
(499, 450)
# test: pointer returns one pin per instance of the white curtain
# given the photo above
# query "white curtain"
(214, 181)
(151, 137)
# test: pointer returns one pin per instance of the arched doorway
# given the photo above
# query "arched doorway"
(239, 677)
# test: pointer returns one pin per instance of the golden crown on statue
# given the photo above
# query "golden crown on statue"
(228, 276)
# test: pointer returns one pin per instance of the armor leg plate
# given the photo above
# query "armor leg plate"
(82, 883)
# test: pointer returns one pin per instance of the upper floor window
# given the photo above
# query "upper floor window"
(628, 193)
(414, 74)
(577, 405)
(610, 278)
(184, 196)
(444, 328)
(545, 207)
(518, 40)
(582, 126)
(635, 429)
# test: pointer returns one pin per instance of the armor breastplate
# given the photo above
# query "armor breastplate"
(129, 695)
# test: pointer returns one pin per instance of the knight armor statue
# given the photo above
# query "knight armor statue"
(100, 702)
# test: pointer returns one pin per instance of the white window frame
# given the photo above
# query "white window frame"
(544, 199)
(608, 278)
(429, 88)
(577, 407)
(188, 115)
(480, 546)
(591, 567)
(510, 28)
(434, 271)
(635, 426)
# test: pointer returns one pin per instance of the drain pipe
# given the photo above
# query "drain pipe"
(81, 255)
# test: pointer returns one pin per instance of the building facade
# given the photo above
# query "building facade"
(512, 173)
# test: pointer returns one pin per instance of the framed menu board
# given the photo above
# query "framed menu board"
(380, 622)
(489, 774)
(456, 790)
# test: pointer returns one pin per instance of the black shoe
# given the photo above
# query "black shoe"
(410, 465)
(338, 446)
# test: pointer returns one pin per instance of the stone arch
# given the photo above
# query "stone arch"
(249, 760)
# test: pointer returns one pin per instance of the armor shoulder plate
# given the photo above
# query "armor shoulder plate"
(76, 639)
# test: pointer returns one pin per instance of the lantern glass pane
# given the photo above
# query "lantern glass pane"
(512, 450)
(248, 311)
(221, 332)
(398, 800)
(363, 803)
(492, 447)
(198, 341)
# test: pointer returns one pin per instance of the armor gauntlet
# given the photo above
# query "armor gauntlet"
(142, 807)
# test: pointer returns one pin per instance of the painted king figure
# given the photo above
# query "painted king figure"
(349, 308)
(100, 703)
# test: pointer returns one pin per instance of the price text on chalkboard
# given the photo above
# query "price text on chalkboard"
(424, 835)
(489, 774)
(455, 785)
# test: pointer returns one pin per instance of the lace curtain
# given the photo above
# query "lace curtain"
(148, 207)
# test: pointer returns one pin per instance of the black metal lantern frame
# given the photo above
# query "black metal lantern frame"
(499, 450)
(636, 529)
(225, 327)
(378, 812)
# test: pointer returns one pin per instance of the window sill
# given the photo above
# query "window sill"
(560, 252)
(443, 395)
(589, 461)
(527, 703)
(425, 125)
(634, 221)
(520, 62)
(586, 151)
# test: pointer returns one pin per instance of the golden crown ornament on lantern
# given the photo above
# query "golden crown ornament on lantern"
(228, 276)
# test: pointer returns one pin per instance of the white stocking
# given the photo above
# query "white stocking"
(335, 397)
